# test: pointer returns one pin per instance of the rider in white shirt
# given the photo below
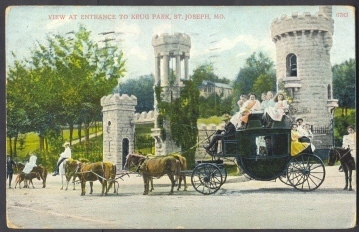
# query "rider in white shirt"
(30, 164)
(64, 155)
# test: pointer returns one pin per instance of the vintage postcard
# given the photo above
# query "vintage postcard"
(180, 117)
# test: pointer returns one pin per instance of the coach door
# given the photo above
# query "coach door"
(125, 150)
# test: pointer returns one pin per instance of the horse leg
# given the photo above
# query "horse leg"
(73, 181)
(151, 181)
(83, 187)
(104, 185)
(91, 187)
(184, 182)
(30, 182)
(17, 181)
(145, 183)
(171, 176)
(179, 183)
(350, 179)
(346, 177)
(62, 182)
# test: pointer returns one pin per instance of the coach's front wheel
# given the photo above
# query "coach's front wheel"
(206, 178)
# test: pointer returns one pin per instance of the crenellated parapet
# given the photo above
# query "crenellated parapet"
(176, 44)
(117, 101)
(301, 24)
(144, 117)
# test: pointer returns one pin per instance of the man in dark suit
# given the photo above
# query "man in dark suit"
(227, 133)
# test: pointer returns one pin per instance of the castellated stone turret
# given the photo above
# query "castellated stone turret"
(303, 43)
(118, 127)
(167, 47)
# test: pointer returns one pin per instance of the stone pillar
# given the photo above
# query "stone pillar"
(178, 69)
(157, 70)
(165, 70)
(186, 77)
(118, 127)
(168, 46)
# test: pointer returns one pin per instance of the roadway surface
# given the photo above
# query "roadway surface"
(239, 204)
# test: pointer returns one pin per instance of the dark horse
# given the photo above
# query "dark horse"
(346, 160)
(154, 167)
(40, 169)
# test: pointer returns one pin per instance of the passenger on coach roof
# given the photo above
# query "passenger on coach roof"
(269, 101)
(250, 106)
(238, 115)
(264, 99)
(276, 112)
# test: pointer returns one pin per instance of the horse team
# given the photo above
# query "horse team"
(149, 168)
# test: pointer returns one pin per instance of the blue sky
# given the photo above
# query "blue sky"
(225, 42)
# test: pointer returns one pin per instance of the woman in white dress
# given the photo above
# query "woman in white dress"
(276, 112)
(30, 164)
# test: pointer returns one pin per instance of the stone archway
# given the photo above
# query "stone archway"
(125, 149)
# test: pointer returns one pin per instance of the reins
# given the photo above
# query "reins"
(341, 157)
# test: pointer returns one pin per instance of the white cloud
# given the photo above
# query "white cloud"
(162, 28)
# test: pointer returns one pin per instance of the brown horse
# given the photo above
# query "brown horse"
(38, 169)
(26, 177)
(101, 171)
(154, 167)
(346, 160)
(183, 163)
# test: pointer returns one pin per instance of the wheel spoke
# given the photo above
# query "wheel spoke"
(306, 172)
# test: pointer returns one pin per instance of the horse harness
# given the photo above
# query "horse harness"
(339, 155)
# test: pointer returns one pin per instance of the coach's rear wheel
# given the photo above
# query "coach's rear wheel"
(284, 179)
(306, 172)
(206, 178)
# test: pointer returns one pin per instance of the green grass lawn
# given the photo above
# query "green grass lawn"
(32, 142)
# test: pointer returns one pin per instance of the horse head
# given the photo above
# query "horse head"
(133, 160)
(336, 154)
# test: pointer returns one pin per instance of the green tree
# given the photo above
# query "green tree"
(62, 78)
(344, 83)
(213, 104)
(264, 83)
(142, 88)
(182, 114)
(256, 76)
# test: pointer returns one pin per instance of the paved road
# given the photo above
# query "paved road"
(245, 205)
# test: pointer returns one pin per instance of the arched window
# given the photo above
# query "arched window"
(329, 92)
(292, 65)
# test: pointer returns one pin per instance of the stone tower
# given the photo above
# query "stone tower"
(303, 66)
(118, 127)
(168, 48)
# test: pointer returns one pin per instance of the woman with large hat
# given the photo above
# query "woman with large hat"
(64, 155)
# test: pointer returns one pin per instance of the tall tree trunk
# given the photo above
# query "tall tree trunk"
(10, 147)
(41, 140)
(87, 136)
(46, 145)
(79, 128)
(15, 143)
(71, 127)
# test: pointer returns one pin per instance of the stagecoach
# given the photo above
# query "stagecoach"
(305, 171)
